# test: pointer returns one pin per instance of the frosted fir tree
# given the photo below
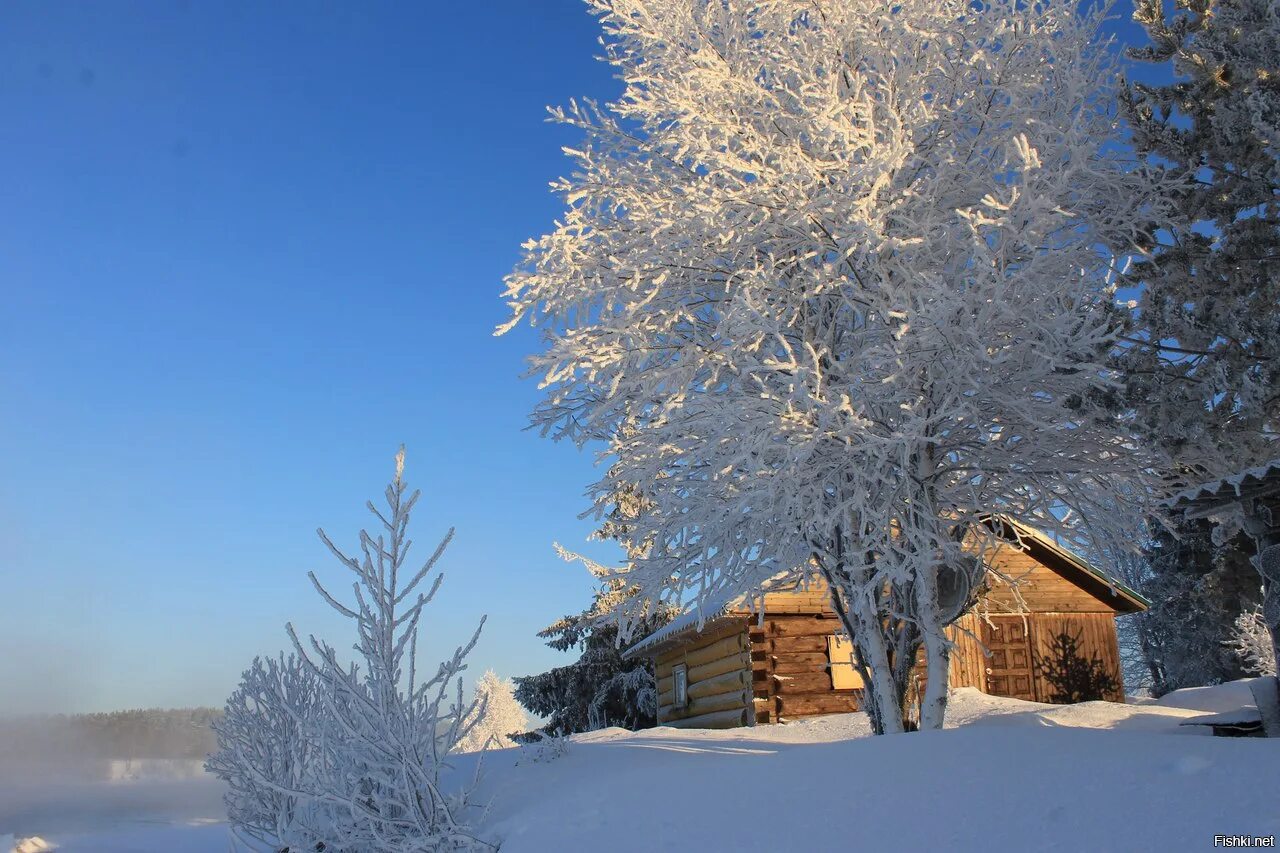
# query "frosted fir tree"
(834, 284)
(374, 735)
(1205, 364)
(498, 715)
(1204, 358)
(600, 688)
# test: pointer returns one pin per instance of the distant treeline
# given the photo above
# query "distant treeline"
(144, 733)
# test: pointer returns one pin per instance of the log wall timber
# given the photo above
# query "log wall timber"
(777, 668)
(718, 666)
(719, 720)
(791, 673)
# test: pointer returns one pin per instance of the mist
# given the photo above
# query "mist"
(67, 775)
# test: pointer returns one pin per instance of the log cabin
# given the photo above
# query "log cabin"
(782, 655)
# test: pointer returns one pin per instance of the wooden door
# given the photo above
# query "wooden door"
(1009, 666)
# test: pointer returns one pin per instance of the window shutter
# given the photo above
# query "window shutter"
(844, 676)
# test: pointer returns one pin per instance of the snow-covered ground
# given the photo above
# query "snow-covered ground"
(1008, 775)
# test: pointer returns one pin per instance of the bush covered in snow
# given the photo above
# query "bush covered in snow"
(325, 755)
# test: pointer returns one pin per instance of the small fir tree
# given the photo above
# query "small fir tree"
(350, 757)
(502, 716)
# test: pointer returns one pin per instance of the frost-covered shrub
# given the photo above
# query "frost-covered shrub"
(269, 754)
(1251, 641)
(546, 746)
(322, 754)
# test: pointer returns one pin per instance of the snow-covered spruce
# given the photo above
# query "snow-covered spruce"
(600, 688)
(1205, 363)
(497, 714)
(835, 284)
(1197, 590)
(350, 756)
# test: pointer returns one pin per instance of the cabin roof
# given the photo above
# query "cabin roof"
(1204, 499)
(1077, 570)
(1047, 550)
(697, 617)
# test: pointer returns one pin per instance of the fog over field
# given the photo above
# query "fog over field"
(66, 775)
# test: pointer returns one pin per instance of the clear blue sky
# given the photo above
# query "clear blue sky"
(245, 252)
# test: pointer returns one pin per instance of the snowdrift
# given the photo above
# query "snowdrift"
(1007, 775)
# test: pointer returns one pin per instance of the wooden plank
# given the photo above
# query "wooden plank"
(1043, 589)
(739, 660)
(814, 682)
(792, 645)
(729, 645)
(801, 662)
(968, 659)
(816, 703)
(666, 683)
(719, 684)
(1097, 636)
(717, 720)
(718, 702)
(802, 627)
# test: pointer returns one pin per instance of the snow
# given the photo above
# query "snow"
(1217, 699)
(1097, 775)
(1226, 485)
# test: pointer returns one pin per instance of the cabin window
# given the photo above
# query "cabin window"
(680, 685)
(844, 675)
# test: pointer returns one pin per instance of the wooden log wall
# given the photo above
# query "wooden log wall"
(718, 664)
(790, 674)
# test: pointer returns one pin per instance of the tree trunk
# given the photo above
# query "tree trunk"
(933, 706)
(868, 637)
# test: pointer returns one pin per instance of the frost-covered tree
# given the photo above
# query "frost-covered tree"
(350, 755)
(600, 688)
(843, 272)
(1197, 589)
(1204, 359)
(1207, 378)
(1251, 641)
(498, 715)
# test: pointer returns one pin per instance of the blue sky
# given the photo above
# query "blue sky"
(245, 252)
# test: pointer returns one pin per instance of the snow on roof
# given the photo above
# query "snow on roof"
(698, 616)
(690, 620)
(1226, 488)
